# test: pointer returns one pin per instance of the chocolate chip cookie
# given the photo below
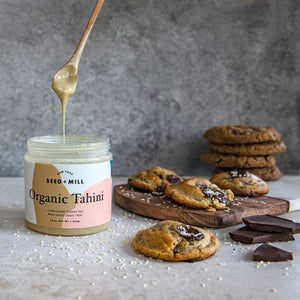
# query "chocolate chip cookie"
(154, 179)
(174, 241)
(241, 183)
(266, 148)
(233, 161)
(241, 135)
(267, 173)
(199, 193)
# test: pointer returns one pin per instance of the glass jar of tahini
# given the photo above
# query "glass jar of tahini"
(68, 186)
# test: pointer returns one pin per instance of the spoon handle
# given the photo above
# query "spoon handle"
(79, 49)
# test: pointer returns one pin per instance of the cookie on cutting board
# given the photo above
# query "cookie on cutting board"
(241, 183)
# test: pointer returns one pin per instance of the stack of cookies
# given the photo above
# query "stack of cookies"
(244, 148)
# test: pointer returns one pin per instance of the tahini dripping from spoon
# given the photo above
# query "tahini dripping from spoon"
(65, 80)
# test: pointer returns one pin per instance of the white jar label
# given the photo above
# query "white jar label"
(68, 196)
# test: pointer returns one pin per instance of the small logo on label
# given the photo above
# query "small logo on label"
(59, 181)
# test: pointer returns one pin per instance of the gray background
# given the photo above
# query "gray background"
(154, 76)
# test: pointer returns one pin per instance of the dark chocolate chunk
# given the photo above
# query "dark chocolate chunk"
(248, 236)
(271, 224)
(173, 179)
(266, 252)
(212, 194)
(189, 233)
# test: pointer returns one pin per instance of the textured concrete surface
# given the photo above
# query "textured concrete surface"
(154, 76)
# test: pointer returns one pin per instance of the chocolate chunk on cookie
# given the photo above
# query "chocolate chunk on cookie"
(199, 193)
(241, 183)
(248, 236)
(241, 135)
(267, 173)
(267, 253)
(266, 148)
(154, 179)
(174, 241)
(234, 161)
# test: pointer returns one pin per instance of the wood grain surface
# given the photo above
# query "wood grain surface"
(159, 207)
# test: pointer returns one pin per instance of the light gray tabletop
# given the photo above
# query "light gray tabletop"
(105, 266)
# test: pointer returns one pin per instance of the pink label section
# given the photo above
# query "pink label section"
(91, 214)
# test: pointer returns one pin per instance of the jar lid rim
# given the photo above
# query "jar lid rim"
(72, 142)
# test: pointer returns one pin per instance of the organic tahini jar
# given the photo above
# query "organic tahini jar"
(68, 186)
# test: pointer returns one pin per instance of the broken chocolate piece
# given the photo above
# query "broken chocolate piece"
(271, 224)
(248, 236)
(189, 233)
(211, 194)
(266, 252)
(173, 179)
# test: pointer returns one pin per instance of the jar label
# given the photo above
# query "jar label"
(68, 196)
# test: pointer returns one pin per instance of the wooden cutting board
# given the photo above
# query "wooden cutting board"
(159, 207)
